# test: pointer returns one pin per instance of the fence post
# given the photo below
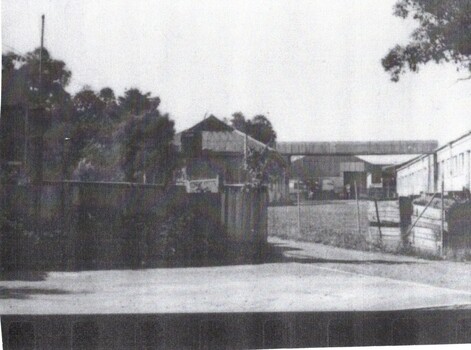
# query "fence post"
(418, 218)
(358, 208)
(442, 228)
(379, 221)
(299, 211)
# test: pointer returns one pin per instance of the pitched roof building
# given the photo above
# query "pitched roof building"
(213, 149)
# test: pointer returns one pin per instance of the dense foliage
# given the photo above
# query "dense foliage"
(92, 135)
(443, 35)
(263, 167)
(148, 150)
(95, 135)
(259, 127)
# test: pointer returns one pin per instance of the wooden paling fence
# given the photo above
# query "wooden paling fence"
(385, 224)
(402, 224)
(245, 216)
(116, 225)
(443, 229)
(426, 234)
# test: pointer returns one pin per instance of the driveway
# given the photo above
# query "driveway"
(297, 276)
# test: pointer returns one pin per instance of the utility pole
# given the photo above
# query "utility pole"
(39, 123)
(41, 59)
(442, 219)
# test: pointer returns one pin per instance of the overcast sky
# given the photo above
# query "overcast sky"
(313, 67)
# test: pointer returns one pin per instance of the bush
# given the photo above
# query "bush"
(178, 238)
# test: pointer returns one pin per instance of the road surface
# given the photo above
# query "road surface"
(302, 277)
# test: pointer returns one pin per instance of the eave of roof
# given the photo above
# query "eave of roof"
(228, 128)
(453, 141)
(436, 150)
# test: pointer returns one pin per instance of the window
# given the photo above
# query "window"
(376, 178)
(461, 163)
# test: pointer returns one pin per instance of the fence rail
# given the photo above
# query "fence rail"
(421, 226)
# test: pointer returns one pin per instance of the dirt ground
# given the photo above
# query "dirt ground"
(444, 274)
(296, 277)
(297, 274)
(334, 224)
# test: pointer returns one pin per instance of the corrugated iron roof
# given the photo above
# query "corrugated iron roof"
(217, 136)
(233, 141)
(211, 124)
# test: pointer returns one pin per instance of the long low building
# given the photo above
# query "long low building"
(416, 176)
(342, 174)
(450, 164)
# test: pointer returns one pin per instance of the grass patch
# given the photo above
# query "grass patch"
(333, 223)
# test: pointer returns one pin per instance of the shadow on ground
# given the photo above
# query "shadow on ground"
(23, 275)
(281, 253)
(276, 253)
(26, 293)
(237, 255)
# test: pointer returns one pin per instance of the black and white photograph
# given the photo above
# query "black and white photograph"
(214, 174)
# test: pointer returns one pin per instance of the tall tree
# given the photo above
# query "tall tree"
(259, 127)
(88, 121)
(149, 155)
(11, 61)
(136, 102)
(239, 122)
(25, 70)
(443, 35)
(112, 110)
(107, 95)
(94, 148)
(88, 105)
(21, 86)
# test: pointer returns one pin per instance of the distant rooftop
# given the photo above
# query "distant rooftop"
(355, 148)
(394, 159)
